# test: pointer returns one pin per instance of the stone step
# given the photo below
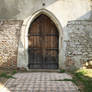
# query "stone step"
(43, 70)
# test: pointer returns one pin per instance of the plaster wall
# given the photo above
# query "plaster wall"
(61, 12)
(64, 10)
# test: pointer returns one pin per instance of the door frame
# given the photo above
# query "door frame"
(22, 58)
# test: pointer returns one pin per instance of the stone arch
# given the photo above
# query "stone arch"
(22, 60)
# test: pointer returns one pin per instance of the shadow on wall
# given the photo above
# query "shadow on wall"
(11, 9)
(6, 12)
(87, 16)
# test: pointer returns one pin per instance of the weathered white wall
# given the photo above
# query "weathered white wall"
(64, 10)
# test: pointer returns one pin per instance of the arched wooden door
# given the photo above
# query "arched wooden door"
(43, 42)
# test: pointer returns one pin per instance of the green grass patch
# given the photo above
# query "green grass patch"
(5, 75)
(62, 71)
(83, 77)
(14, 72)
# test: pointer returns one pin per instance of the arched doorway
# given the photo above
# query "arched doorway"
(22, 58)
(43, 44)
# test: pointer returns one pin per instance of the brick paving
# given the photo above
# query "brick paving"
(40, 82)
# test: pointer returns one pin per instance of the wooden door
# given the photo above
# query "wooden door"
(43, 44)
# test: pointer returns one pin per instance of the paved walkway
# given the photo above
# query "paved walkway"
(40, 82)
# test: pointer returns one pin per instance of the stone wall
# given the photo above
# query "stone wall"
(79, 46)
(9, 37)
(78, 49)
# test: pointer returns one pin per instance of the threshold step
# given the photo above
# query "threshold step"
(43, 70)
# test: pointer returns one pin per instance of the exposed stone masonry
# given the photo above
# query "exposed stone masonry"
(78, 49)
(9, 37)
(79, 45)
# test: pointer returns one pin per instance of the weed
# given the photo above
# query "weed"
(5, 75)
(82, 76)
(14, 72)
(62, 71)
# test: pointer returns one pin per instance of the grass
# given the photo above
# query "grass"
(14, 72)
(6, 74)
(83, 79)
(62, 71)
